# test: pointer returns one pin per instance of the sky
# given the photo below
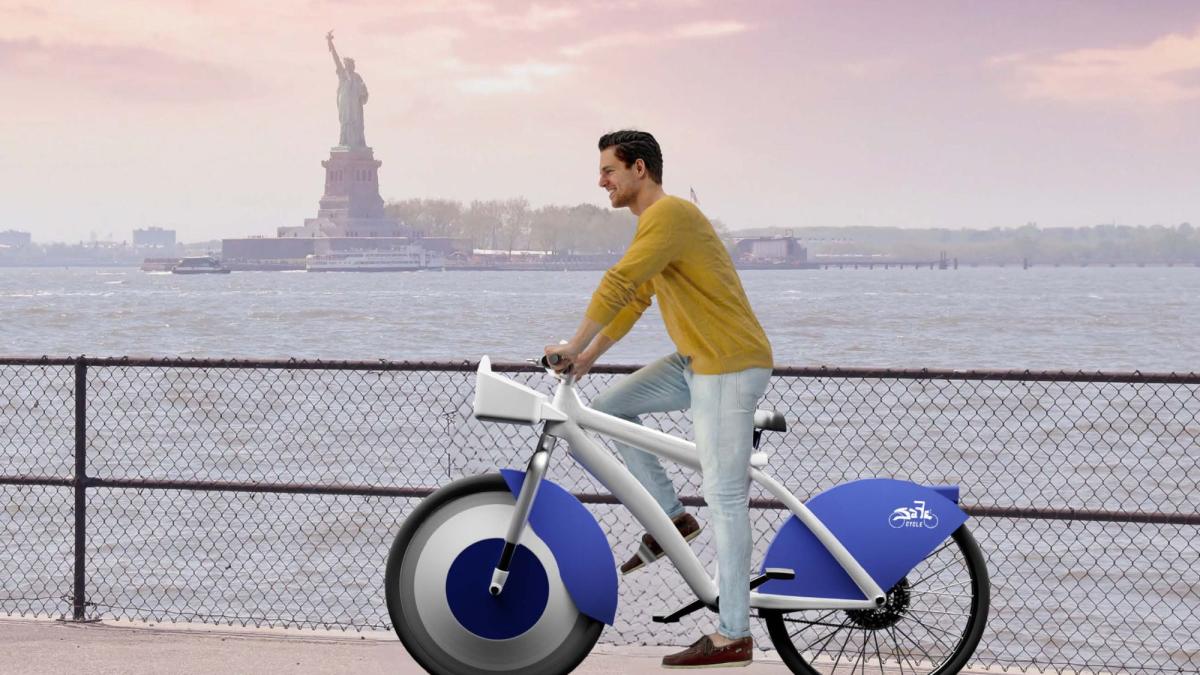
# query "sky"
(211, 117)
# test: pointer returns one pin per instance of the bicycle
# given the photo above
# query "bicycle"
(508, 572)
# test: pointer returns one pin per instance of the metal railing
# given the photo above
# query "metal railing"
(267, 492)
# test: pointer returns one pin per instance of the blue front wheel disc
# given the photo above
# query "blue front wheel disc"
(502, 617)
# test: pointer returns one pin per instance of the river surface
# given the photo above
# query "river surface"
(1110, 319)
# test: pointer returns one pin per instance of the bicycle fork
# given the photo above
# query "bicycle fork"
(520, 517)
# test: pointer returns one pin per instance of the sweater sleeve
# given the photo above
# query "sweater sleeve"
(629, 315)
(655, 245)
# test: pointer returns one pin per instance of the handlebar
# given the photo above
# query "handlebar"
(550, 361)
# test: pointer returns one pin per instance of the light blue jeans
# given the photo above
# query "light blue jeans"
(723, 419)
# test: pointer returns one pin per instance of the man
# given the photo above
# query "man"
(720, 370)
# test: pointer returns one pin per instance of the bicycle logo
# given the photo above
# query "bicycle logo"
(913, 516)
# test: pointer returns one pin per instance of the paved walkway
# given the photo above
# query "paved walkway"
(51, 647)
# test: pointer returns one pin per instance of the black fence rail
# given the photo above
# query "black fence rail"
(267, 492)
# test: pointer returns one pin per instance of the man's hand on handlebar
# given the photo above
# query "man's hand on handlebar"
(561, 356)
(583, 363)
(570, 359)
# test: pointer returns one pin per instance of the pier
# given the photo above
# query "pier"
(43, 647)
(944, 262)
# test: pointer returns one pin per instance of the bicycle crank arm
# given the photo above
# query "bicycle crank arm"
(678, 614)
(767, 575)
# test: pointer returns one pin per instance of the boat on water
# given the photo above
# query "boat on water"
(159, 264)
(201, 264)
(408, 259)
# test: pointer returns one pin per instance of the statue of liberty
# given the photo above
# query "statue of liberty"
(351, 97)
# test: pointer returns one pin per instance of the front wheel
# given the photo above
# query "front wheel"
(437, 578)
(931, 622)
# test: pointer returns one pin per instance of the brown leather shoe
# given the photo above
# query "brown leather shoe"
(704, 654)
(687, 525)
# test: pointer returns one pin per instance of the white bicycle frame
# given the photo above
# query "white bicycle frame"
(567, 417)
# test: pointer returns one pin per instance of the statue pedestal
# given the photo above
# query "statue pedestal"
(351, 185)
(351, 205)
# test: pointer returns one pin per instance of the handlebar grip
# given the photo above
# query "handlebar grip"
(551, 360)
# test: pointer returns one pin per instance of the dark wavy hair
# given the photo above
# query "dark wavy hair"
(634, 145)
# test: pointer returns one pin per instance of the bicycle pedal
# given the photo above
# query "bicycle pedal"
(678, 614)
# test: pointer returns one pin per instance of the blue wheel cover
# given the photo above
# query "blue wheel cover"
(580, 547)
(888, 525)
(516, 609)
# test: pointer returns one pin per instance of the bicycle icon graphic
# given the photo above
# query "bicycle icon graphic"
(913, 516)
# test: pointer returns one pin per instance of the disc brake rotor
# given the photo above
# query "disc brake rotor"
(893, 609)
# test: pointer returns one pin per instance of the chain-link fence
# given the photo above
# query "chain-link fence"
(267, 493)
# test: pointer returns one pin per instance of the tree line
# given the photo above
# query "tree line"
(512, 225)
(1097, 244)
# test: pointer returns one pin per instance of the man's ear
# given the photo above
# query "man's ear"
(639, 166)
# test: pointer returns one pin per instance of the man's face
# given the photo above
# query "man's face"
(622, 182)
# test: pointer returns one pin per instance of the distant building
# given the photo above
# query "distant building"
(15, 239)
(155, 237)
(770, 249)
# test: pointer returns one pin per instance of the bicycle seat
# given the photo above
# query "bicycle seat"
(769, 420)
(765, 420)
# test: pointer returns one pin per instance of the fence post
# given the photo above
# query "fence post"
(79, 597)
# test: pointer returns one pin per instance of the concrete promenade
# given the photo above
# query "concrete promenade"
(47, 646)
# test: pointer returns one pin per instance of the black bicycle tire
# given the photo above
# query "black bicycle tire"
(980, 604)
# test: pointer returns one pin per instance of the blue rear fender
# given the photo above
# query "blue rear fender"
(888, 525)
(579, 545)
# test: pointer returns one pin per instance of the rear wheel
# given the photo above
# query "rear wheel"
(931, 622)
(437, 578)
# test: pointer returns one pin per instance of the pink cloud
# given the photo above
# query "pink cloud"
(1160, 72)
(533, 17)
(139, 73)
(528, 75)
(878, 67)
(687, 31)
(522, 77)
(536, 17)
(496, 48)
(706, 29)
(25, 11)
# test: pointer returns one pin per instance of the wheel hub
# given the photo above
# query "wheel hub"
(893, 609)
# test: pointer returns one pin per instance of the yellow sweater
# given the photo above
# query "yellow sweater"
(677, 255)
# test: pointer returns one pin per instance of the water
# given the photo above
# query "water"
(1110, 319)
